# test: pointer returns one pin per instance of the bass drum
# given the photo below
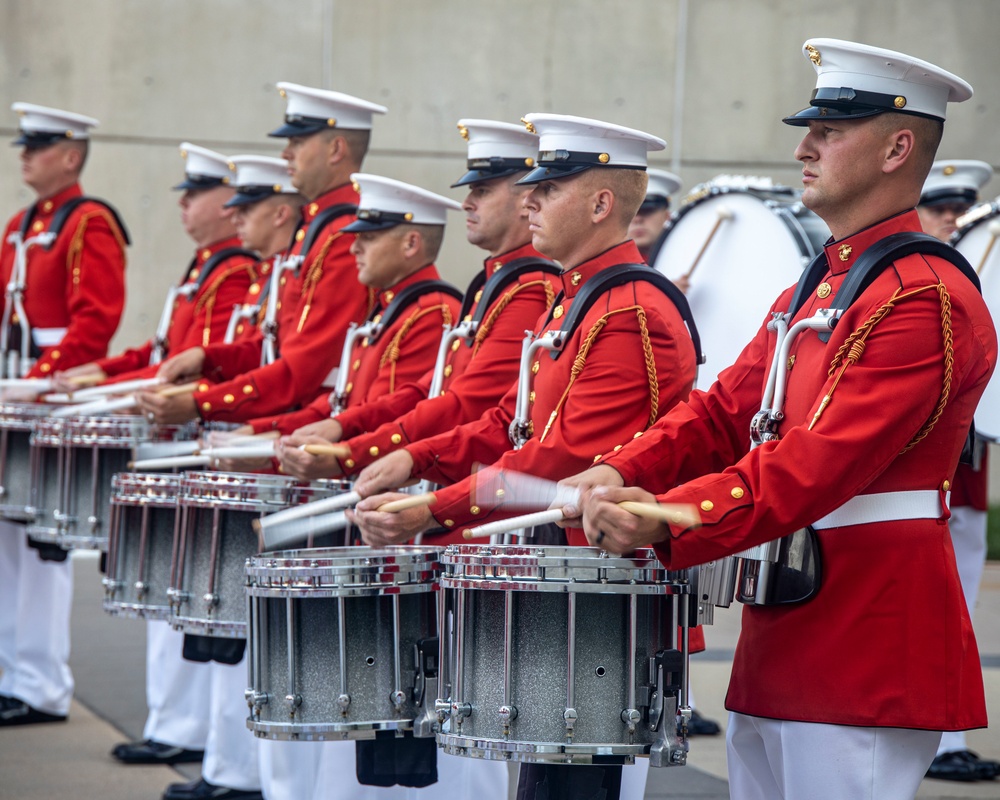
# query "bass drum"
(740, 244)
(979, 241)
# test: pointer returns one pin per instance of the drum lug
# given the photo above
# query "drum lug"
(211, 600)
(569, 717)
(258, 699)
(460, 711)
(631, 717)
(343, 703)
(507, 715)
(398, 698)
(141, 588)
(293, 701)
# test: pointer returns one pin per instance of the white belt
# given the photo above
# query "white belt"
(885, 507)
(47, 337)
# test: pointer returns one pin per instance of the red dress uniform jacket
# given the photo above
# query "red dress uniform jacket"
(199, 320)
(639, 364)
(971, 485)
(401, 354)
(887, 640)
(475, 377)
(78, 284)
(317, 306)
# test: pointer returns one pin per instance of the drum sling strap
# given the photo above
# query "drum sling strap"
(498, 282)
(320, 223)
(402, 301)
(798, 573)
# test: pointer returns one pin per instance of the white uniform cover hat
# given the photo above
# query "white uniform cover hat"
(496, 149)
(312, 110)
(955, 181)
(258, 177)
(386, 203)
(568, 145)
(856, 80)
(40, 126)
(203, 168)
(662, 184)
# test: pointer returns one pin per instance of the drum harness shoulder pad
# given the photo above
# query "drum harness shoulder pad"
(499, 281)
(217, 258)
(404, 300)
(321, 221)
(60, 217)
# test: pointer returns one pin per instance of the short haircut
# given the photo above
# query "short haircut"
(627, 185)
(356, 141)
(431, 235)
(82, 146)
(927, 131)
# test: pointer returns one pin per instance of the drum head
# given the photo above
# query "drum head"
(980, 244)
(759, 247)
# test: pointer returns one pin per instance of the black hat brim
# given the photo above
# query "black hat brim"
(949, 196)
(364, 226)
(480, 175)
(654, 203)
(814, 113)
(289, 129)
(546, 173)
(241, 199)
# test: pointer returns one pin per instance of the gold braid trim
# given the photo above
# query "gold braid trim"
(312, 276)
(391, 353)
(74, 256)
(207, 298)
(853, 347)
(490, 319)
(581, 360)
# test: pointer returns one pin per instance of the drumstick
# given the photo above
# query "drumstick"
(297, 530)
(336, 503)
(677, 513)
(336, 450)
(108, 405)
(994, 230)
(173, 391)
(124, 387)
(724, 213)
(206, 455)
(149, 450)
(413, 501)
(38, 384)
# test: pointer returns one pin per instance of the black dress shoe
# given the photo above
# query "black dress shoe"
(17, 712)
(984, 769)
(151, 752)
(953, 766)
(203, 790)
(700, 726)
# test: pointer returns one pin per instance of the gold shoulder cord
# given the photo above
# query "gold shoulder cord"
(854, 346)
(208, 297)
(581, 360)
(490, 319)
(391, 353)
(313, 274)
(75, 255)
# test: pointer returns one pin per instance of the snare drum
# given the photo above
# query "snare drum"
(72, 462)
(143, 526)
(216, 537)
(16, 423)
(562, 655)
(342, 640)
(979, 242)
(746, 241)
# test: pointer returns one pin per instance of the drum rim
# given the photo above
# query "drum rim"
(543, 752)
(283, 731)
(200, 626)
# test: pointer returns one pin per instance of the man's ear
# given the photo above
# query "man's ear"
(900, 150)
(604, 201)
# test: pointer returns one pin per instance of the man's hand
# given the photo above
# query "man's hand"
(609, 526)
(183, 367)
(327, 429)
(588, 479)
(302, 465)
(76, 378)
(390, 472)
(380, 528)
(175, 410)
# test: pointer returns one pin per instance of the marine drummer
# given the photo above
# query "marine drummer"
(865, 451)
(951, 189)
(73, 298)
(629, 360)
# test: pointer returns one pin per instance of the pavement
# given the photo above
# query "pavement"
(71, 761)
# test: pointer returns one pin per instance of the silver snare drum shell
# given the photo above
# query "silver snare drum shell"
(16, 423)
(333, 640)
(214, 540)
(143, 526)
(555, 655)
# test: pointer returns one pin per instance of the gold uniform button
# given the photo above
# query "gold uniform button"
(300, 235)
(55, 354)
(455, 345)
(47, 205)
(202, 387)
(497, 265)
(313, 208)
(737, 493)
(448, 370)
(356, 364)
(206, 254)
(396, 438)
(707, 505)
(557, 312)
(449, 522)
(500, 493)
(193, 275)
(255, 289)
(206, 406)
(239, 328)
(575, 278)
(283, 281)
(637, 434)
(349, 387)
(349, 463)
(531, 396)
(617, 447)
(467, 318)
(823, 290)
(597, 458)
(479, 296)
(247, 388)
(534, 368)
(473, 509)
(946, 485)
(46, 367)
(373, 451)
(229, 398)
(364, 342)
(389, 295)
(37, 225)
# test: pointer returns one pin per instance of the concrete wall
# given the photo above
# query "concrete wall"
(713, 77)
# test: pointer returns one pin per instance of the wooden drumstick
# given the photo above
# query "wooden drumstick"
(676, 513)
(173, 391)
(994, 231)
(336, 450)
(724, 213)
(413, 501)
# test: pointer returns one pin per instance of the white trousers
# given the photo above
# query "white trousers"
(634, 780)
(968, 537)
(779, 760)
(288, 769)
(458, 777)
(230, 749)
(35, 602)
(178, 692)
